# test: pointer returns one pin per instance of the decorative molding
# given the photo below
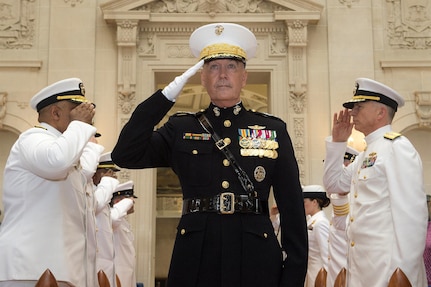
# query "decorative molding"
(126, 100)
(127, 32)
(211, 7)
(72, 2)
(17, 24)
(298, 94)
(22, 105)
(409, 24)
(297, 37)
(278, 45)
(405, 64)
(21, 64)
(348, 3)
(127, 41)
(179, 51)
(298, 143)
(298, 86)
(297, 32)
(146, 46)
(423, 108)
(3, 107)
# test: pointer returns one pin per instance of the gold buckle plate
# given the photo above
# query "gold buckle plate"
(227, 203)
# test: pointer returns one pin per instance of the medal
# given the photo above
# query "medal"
(259, 173)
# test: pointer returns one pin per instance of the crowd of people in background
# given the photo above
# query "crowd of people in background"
(65, 218)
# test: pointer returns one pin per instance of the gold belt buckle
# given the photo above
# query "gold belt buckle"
(227, 203)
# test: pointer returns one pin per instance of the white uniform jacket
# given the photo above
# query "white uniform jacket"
(318, 229)
(388, 210)
(125, 256)
(44, 200)
(105, 236)
(337, 252)
(89, 161)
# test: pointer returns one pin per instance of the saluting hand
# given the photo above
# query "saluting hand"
(173, 90)
(110, 173)
(342, 126)
(84, 112)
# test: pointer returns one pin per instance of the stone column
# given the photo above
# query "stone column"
(297, 55)
(144, 219)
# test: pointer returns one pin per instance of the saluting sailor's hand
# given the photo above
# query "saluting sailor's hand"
(342, 126)
(84, 112)
(173, 90)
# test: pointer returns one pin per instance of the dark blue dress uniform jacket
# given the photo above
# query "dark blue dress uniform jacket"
(211, 249)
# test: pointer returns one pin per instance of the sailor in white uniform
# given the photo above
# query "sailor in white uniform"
(105, 182)
(125, 257)
(44, 225)
(318, 231)
(337, 253)
(388, 210)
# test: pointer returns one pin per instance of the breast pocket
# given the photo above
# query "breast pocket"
(193, 161)
(371, 181)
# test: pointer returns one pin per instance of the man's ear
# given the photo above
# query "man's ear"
(382, 112)
(244, 78)
(55, 112)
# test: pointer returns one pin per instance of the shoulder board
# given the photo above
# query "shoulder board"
(391, 135)
(40, 127)
(266, 115)
(180, 114)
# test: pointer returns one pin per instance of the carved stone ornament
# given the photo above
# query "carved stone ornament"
(17, 24)
(211, 6)
(409, 23)
(3, 101)
(298, 96)
(73, 2)
(126, 100)
(298, 142)
(423, 108)
(348, 2)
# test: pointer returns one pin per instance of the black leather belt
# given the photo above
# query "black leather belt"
(226, 203)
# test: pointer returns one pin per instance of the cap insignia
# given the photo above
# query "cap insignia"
(81, 87)
(218, 30)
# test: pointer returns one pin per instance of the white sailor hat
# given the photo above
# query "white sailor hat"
(223, 40)
(71, 89)
(125, 189)
(370, 90)
(350, 154)
(105, 161)
(314, 191)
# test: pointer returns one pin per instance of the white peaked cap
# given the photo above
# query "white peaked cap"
(223, 40)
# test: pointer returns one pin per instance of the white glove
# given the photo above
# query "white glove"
(119, 210)
(103, 192)
(173, 90)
